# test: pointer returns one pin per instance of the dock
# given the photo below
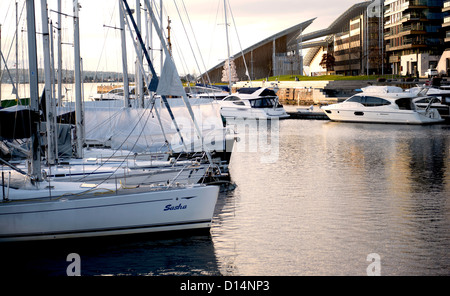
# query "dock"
(304, 112)
(308, 115)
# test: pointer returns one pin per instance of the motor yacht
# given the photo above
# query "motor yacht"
(117, 94)
(382, 105)
(206, 92)
(252, 103)
(440, 97)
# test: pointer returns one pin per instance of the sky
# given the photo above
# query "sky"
(254, 20)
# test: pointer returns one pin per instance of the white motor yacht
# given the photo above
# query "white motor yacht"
(117, 94)
(382, 105)
(202, 92)
(114, 94)
(440, 97)
(252, 103)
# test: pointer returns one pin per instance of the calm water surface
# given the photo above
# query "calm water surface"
(328, 195)
(338, 193)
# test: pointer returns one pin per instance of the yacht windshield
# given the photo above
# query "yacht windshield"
(405, 104)
(264, 102)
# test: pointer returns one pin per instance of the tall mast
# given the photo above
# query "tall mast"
(59, 55)
(52, 59)
(17, 53)
(126, 87)
(169, 42)
(79, 116)
(0, 64)
(51, 145)
(34, 167)
(161, 22)
(139, 90)
(228, 44)
(53, 87)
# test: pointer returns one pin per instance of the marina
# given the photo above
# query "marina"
(254, 167)
(365, 189)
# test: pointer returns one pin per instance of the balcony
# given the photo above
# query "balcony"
(447, 37)
(424, 3)
(414, 29)
(446, 22)
(418, 3)
(408, 43)
(414, 17)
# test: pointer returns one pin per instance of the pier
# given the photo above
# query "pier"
(304, 112)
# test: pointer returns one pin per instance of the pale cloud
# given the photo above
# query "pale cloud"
(255, 20)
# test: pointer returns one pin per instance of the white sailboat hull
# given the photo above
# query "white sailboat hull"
(116, 214)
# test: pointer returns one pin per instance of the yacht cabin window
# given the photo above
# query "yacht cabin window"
(232, 98)
(264, 102)
(375, 102)
(116, 91)
(427, 100)
(405, 104)
(369, 101)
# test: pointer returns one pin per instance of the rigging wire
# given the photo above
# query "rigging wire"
(196, 43)
(189, 42)
(239, 41)
(104, 42)
(214, 30)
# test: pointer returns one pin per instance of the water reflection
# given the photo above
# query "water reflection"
(337, 193)
(173, 254)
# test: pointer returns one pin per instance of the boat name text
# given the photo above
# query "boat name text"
(169, 207)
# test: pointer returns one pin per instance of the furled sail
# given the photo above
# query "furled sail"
(169, 83)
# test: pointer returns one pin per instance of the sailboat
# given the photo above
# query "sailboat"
(40, 209)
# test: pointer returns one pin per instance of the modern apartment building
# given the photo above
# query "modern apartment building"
(446, 23)
(443, 66)
(404, 37)
(358, 48)
(413, 35)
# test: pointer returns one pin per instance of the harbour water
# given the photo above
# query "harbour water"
(314, 198)
(68, 90)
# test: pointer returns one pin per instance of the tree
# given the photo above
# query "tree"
(226, 72)
(328, 62)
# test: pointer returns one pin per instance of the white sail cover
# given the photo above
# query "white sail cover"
(138, 130)
(169, 83)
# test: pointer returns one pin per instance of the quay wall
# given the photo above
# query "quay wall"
(302, 93)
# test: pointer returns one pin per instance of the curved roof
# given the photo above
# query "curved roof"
(334, 28)
(342, 20)
(291, 33)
